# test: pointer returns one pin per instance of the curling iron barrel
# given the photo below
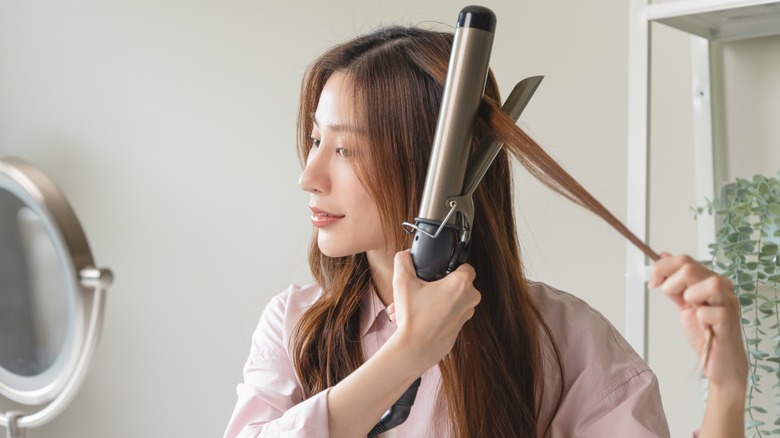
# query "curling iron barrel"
(441, 239)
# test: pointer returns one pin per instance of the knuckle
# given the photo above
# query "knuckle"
(685, 259)
(468, 271)
(689, 268)
(720, 315)
(474, 298)
(723, 283)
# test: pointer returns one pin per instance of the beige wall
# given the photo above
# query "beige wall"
(170, 126)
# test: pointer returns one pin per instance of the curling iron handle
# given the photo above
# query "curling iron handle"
(434, 258)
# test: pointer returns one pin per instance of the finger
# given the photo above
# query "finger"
(461, 283)
(720, 319)
(656, 278)
(713, 290)
(686, 273)
(403, 269)
(467, 271)
(667, 265)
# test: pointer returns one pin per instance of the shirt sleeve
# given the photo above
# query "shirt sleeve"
(608, 389)
(270, 399)
(632, 407)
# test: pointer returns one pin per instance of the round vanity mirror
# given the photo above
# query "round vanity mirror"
(51, 297)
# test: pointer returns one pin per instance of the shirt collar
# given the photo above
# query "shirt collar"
(371, 307)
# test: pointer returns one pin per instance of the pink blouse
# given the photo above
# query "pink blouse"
(608, 389)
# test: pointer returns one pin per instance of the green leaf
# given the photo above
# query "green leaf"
(743, 277)
(767, 306)
(760, 355)
(745, 301)
(769, 249)
(759, 409)
(749, 287)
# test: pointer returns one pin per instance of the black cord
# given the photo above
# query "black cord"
(398, 413)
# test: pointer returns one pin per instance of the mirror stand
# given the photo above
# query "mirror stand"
(17, 422)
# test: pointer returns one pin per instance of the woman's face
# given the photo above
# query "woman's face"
(343, 211)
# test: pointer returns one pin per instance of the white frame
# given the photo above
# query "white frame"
(706, 20)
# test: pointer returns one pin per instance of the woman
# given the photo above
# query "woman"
(498, 355)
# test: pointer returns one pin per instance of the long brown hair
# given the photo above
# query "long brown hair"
(493, 379)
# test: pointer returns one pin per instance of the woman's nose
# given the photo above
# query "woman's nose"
(314, 178)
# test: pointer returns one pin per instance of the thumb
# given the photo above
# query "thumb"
(403, 265)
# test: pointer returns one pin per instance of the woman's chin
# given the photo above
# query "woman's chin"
(332, 250)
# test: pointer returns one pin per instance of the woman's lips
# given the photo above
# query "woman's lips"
(321, 218)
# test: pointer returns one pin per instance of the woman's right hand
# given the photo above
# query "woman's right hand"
(430, 315)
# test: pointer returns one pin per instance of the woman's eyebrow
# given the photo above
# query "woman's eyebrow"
(339, 126)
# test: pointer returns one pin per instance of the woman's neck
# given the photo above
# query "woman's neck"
(381, 264)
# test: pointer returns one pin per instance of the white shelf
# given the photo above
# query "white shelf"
(719, 19)
(706, 21)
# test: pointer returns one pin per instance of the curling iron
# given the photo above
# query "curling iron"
(442, 229)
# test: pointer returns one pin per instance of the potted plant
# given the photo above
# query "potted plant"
(746, 250)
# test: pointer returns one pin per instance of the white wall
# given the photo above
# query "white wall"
(170, 126)
(752, 106)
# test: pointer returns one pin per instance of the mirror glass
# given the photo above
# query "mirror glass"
(36, 311)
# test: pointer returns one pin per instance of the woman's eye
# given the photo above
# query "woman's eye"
(346, 153)
(315, 142)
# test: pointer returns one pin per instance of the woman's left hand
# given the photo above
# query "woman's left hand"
(706, 301)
